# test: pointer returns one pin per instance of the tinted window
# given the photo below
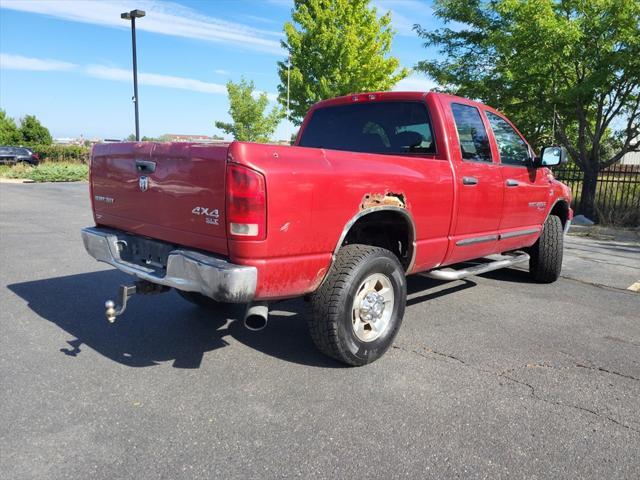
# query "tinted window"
(6, 150)
(474, 142)
(513, 150)
(379, 127)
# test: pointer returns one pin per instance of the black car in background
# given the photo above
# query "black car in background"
(13, 155)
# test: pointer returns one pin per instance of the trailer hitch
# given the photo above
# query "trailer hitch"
(141, 287)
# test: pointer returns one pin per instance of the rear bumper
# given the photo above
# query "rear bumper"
(187, 270)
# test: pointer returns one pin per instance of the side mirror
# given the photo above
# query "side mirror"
(551, 156)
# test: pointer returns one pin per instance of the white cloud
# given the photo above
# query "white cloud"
(154, 79)
(167, 81)
(161, 17)
(221, 71)
(18, 62)
(414, 83)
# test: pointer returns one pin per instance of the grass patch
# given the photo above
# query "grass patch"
(47, 172)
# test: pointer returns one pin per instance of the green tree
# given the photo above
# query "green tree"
(33, 132)
(335, 47)
(562, 70)
(9, 133)
(131, 137)
(247, 110)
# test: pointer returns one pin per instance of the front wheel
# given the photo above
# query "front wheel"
(358, 309)
(545, 261)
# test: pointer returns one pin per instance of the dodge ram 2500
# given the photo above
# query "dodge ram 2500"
(377, 186)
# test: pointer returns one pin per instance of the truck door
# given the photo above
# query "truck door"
(479, 186)
(526, 189)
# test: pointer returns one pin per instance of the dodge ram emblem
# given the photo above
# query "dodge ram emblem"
(143, 182)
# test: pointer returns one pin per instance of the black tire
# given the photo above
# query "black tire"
(545, 263)
(331, 322)
(200, 300)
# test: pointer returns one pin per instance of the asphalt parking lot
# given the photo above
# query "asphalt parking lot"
(492, 377)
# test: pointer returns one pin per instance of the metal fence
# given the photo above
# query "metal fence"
(617, 192)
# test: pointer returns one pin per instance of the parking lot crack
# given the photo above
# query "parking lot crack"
(604, 370)
(534, 395)
(432, 352)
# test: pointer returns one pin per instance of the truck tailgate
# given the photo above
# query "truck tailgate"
(169, 191)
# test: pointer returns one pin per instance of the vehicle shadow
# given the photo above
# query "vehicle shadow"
(161, 328)
(421, 289)
(166, 328)
(513, 275)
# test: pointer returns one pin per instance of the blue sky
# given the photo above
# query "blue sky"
(69, 62)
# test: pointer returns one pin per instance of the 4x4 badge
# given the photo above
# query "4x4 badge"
(143, 183)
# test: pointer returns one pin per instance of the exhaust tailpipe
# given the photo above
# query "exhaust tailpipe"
(255, 318)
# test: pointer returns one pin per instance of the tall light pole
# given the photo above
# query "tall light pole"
(132, 15)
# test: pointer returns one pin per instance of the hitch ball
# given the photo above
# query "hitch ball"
(110, 311)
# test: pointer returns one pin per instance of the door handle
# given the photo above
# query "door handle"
(469, 181)
(144, 166)
(512, 183)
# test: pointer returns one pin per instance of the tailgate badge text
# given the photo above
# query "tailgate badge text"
(211, 215)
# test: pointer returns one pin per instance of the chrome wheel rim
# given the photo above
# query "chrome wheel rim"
(372, 307)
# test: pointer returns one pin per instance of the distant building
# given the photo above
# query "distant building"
(171, 137)
(75, 141)
(631, 158)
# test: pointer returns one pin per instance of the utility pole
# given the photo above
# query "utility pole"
(132, 15)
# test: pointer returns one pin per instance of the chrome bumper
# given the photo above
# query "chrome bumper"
(186, 270)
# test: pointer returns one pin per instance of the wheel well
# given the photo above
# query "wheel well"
(387, 229)
(561, 209)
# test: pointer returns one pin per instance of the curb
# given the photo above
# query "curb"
(606, 233)
(16, 180)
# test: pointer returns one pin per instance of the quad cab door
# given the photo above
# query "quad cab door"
(479, 184)
(526, 189)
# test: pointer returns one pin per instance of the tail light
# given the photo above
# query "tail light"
(246, 203)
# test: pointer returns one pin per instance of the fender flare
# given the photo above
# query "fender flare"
(402, 211)
(558, 200)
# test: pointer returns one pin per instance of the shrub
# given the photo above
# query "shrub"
(47, 172)
(62, 153)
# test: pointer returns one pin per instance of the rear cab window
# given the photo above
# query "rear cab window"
(390, 127)
(472, 135)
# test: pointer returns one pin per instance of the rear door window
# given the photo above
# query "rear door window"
(474, 141)
(513, 149)
(376, 127)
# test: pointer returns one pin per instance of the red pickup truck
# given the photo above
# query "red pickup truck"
(377, 186)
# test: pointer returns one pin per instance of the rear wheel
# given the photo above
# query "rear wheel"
(358, 309)
(199, 299)
(545, 263)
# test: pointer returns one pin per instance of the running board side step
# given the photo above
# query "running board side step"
(517, 257)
